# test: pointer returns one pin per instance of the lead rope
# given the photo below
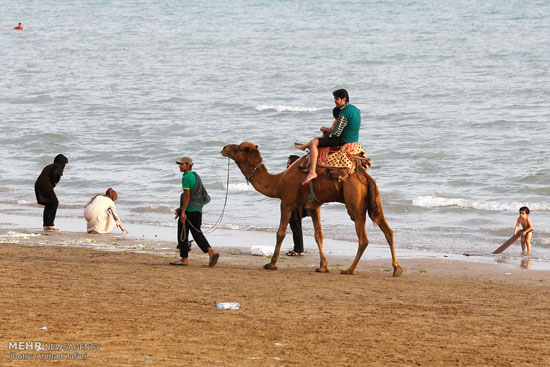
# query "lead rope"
(218, 222)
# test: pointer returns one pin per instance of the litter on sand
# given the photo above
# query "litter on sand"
(261, 250)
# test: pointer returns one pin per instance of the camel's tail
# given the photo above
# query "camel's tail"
(374, 203)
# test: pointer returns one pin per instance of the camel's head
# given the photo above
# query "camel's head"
(245, 152)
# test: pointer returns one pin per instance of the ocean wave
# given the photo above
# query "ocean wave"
(12, 202)
(11, 235)
(68, 206)
(283, 108)
(44, 98)
(47, 139)
(235, 227)
(239, 187)
(538, 190)
(369, 62)
(438, 202)
(153, 209)
(173, 100)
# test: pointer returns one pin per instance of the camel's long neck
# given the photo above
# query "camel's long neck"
(263, 181)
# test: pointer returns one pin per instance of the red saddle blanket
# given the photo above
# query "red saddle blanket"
(342, 159)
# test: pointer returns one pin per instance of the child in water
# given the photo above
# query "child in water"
(527, 233)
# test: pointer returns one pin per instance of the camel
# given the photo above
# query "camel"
(358, 192)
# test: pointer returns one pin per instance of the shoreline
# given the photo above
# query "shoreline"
(161, 240)
(234, 240)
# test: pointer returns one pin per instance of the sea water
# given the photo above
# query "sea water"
(454, 100)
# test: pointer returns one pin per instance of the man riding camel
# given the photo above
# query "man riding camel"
(345, 129)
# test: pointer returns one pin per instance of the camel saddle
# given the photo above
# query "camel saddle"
(341, 161)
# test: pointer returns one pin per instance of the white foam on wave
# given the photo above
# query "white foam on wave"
(226, 226)
(283, 108)
(11, 235)
(438, 202)
(239, 187)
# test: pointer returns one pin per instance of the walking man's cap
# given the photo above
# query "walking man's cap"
(184, 160)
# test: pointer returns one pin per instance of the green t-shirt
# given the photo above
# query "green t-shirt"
(350, 134)
(188, 181)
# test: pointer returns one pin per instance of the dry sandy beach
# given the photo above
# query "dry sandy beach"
(123, 308)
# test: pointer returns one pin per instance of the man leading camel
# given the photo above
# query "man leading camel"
(345, 129)
(193, 198)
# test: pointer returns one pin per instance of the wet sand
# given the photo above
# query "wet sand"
(133, 309)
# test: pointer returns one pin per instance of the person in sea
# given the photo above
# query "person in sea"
(44, 189)
(344, 130)
(189, 214)
(527, 232)
(296, 221)
(19, 27)
(100, 213)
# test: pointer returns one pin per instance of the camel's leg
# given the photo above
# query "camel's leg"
(286, 212)
(316, 218)
(363, 243)
(356, 205)
(388, 233)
